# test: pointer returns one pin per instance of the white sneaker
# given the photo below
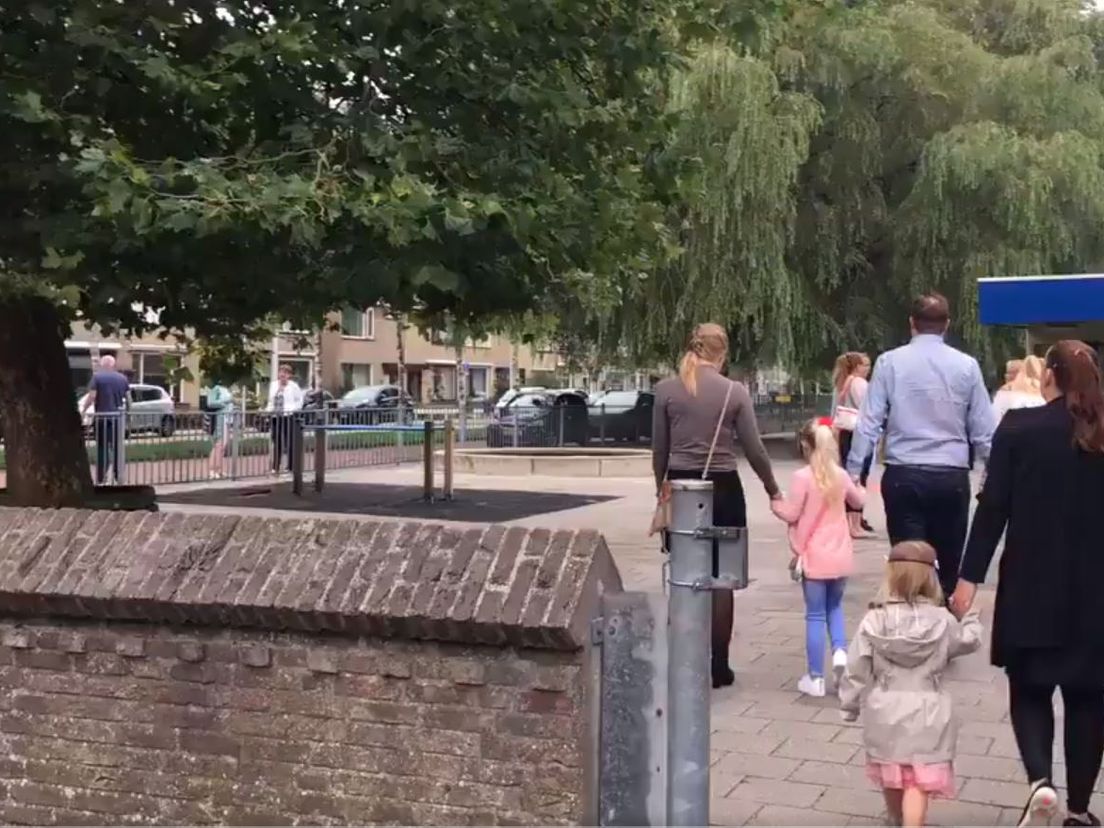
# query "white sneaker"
(839, 665)
(1041, 805)
(810, 686)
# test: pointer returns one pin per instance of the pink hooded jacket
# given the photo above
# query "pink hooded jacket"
(818, 529)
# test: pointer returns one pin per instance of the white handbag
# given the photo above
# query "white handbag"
(845, 418)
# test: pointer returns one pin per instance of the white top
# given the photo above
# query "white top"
(856, 388)
(293, 397)
(1004, 401)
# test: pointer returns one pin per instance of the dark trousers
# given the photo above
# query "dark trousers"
(929, 504)
(108, 429)
(1032, 709)
(282, 424)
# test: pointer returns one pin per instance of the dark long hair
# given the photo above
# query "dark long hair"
(1077, 374)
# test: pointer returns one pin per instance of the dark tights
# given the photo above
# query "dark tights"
(721, 637)
(1033, 722)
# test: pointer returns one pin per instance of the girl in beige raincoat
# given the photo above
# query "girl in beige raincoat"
(894, 678)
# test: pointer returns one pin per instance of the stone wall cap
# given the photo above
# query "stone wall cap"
(392, 579)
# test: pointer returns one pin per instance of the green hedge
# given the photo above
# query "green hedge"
(147, 451)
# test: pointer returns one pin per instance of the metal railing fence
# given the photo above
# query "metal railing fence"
(169, 447)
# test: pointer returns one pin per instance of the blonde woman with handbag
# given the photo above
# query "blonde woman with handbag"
(849, 381)
(698, 417)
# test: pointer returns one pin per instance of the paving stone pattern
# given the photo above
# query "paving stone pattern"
(783, 759)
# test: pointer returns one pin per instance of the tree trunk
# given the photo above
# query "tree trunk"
(47, 463)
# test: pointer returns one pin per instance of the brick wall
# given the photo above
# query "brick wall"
(412, 675)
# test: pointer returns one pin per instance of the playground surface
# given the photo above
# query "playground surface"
(778, 758)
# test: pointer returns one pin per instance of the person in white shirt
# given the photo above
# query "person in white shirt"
(1023, 391)
(285, 398)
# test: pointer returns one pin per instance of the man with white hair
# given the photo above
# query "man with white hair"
(107, 394)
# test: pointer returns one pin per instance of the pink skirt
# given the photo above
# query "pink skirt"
(937, 780)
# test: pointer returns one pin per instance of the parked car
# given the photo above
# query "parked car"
(149, 408)
(545, 418)
(513, 393)
(375, 404)
(622, 415)
(315, 401)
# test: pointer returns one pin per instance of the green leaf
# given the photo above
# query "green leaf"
(438, 277)
(461, 225)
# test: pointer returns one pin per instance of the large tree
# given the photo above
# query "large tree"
(864, 151)
(220, 163)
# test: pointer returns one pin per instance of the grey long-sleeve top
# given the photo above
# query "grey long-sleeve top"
(683, 427)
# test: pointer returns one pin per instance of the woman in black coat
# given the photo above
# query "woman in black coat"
(1045, 486)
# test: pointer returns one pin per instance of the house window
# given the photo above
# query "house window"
(358, 324)
(477, 382)
(149, 368)
(355, 375)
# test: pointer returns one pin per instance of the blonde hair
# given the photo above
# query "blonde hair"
(708, 346)
(1013, 367)
(846, 365)
(821, 450)
(1029, 379)
(909, 581)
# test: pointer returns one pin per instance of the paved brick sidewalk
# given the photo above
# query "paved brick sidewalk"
(779, 758)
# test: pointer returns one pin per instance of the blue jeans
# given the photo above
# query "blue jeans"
(823, 608)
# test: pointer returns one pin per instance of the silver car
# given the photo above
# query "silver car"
(149, 408)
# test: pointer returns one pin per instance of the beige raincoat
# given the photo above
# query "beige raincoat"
(894, 676)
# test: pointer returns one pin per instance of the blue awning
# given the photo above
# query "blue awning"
(1041, 300)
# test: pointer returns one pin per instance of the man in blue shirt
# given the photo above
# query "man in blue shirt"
(107, 395)
(931, 402)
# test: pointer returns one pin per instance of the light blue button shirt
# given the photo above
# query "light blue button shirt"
(931, 402)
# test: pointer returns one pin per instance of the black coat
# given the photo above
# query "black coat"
(1050, 495)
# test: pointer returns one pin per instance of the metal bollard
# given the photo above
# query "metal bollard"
(120, 448)
(237, 426)
(321, 435)
(446, 491)
(427, 461)
(688, 676)
(297, 449)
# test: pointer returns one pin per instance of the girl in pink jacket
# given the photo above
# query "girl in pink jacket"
(815, 509)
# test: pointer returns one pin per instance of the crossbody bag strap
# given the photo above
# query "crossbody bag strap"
(717, 430)
(845, 394)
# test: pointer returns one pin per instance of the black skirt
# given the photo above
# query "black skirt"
(1077, 666)
(729, 505)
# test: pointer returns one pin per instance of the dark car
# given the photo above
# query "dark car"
(622, 415)
(545, 418)
(316, 402)
(375, 405)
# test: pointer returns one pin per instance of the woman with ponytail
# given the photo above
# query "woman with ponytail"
(820, 539)
(849, 385)
(699, 415)
(1045, 492)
